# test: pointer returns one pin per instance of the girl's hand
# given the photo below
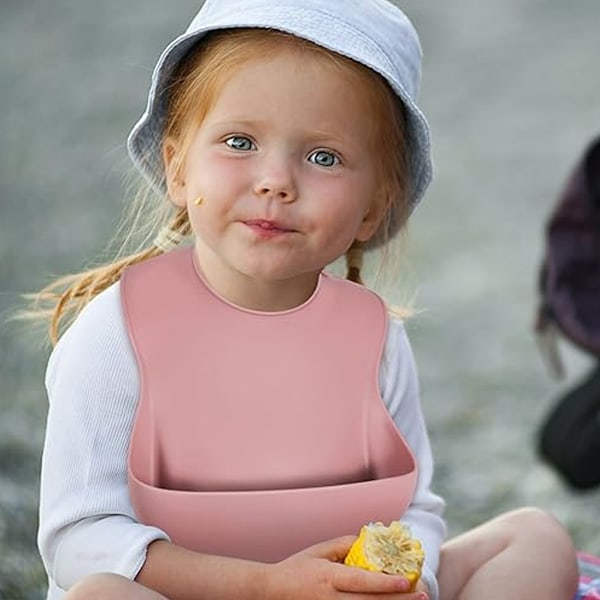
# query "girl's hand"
(319, 573)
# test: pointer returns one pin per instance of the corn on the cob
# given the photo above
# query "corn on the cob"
(388, 550)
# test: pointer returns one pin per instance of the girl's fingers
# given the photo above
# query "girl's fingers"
(355, 580)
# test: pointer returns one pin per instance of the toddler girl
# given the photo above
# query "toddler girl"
(224, 415)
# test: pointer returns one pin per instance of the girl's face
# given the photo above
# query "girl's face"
(285, 161)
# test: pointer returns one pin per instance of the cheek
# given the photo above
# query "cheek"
(339, 220)
(220, 176)
(348, 200)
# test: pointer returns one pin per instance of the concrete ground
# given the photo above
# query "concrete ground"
(512, 93)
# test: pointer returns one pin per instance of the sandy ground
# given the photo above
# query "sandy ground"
(511, 89)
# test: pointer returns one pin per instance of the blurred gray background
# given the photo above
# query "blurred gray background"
(512, 92)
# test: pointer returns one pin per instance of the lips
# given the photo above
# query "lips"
(266, 226)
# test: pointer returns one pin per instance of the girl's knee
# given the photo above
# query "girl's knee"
(535, 524)
(553, 542)
(95, 587)
(109, 586)
(547, 540)
(527, 540)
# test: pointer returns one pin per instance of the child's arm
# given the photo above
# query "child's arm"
(87, 524)
(313, 573)
(400, 391)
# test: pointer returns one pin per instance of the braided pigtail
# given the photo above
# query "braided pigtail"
(174, 233)
(354, 262)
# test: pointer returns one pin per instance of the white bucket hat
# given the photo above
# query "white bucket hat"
(372, 32)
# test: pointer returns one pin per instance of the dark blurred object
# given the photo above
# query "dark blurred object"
(570, 274)
(570, 436)
(570, 305)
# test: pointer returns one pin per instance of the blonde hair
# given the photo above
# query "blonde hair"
(192, 93)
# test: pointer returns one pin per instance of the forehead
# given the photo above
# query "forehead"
(299, 81)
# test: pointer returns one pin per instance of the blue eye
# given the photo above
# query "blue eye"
(323, 158)
(239, 142)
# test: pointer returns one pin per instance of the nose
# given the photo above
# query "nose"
(276, 181)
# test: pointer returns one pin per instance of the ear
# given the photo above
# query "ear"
(372, 220)
(173, 173)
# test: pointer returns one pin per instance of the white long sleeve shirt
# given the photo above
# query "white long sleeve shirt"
(87, 522)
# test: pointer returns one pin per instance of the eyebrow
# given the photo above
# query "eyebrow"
(234, 121)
